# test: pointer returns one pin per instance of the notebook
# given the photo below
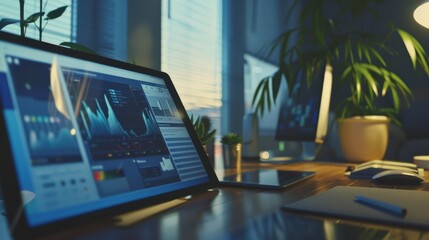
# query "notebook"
(340, 202)
(88, 136)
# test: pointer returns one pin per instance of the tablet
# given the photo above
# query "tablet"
(88, 136)
(266, 178)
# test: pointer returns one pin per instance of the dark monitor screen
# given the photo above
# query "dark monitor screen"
(86, 134)
(304, 110)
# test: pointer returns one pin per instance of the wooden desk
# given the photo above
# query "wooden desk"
(244, 213)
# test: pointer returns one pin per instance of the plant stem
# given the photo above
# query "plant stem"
(40, 20)
(21, 17)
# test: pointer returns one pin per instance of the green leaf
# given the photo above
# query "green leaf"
(56, 13)
(358, 87)
(378, 56)
(346, 72)
(406, 38)
(259, 96)
(346, 50)
(359, 50)
(369, 78)
(337, 52)
(78, 47)
(370, 105)
(415, 50)
(202, 130)
(208, 136)
(367, 54)
(33, 17)
(268, 96)
(7, 21)
(261, 105)
(283, 47)
(401, 84)
(386, 85)
(276, 81)
(395, 97)
(257, 92)
(292, 8)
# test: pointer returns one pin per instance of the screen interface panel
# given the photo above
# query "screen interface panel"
(299, 111)
(87, 136)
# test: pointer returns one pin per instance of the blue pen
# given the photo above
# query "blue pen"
(382, 206)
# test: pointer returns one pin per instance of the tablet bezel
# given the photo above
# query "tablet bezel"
(243, 182)
(9, 178)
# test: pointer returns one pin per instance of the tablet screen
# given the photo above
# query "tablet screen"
(88, 133)
(266, 178)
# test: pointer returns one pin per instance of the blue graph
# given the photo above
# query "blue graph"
(101, 124)
(114, 116)
(150, 122)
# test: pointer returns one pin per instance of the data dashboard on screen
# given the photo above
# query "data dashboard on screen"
(86, 136)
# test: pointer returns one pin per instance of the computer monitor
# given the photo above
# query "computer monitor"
(89, 137)
(303, 117)
(304, 111)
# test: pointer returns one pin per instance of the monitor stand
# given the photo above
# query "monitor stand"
(306, 152)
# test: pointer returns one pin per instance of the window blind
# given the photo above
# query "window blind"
(191, 53)
(101, 25)
(56, 31)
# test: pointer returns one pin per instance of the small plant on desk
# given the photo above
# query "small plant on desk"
(231, 139)
(203, 130)
(231, 150)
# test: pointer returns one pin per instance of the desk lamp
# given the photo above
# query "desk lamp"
(421, 14)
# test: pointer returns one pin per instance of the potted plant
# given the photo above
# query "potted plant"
(231, 149)
(359, 58)
(202, 126)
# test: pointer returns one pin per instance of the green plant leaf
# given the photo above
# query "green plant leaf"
(360, 50)
(231, 139)
(78, 47)
(415, 50)
(276, 81)
(368, 77)
(7, 21)
(358, 91)
(346, 72)
(370, 107)
(395, 97)
(56, 13)
(202, 131)
(367, 55)
(268, 95)
(378, 56)
(208, 136)
(346, 50)
(386, 85)
(260, 96)
(257, 92)
(401, 84)
(282, 40)
(406, 38)
(34, 17)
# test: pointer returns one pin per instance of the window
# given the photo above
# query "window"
(101, 25)
(191, 53)
(56, 31)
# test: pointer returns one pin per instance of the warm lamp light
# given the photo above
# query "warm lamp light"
(421, 14)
